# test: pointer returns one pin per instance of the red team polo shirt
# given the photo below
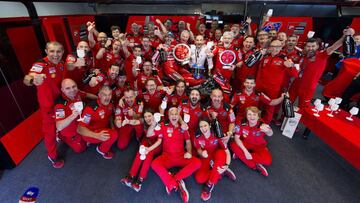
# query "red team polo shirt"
(152, 101)
(122, 112)
(251, 135)
(63, 109)
(96, 116)
(173, 139)
(195, 114)
(49, 91)
(78, 73)
(210, 144)
(243, 100)
(225, 115)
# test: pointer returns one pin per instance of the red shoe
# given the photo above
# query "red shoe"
(206, 192)
(137, 184)
(127, 180)
(184, 193)
(57, 163)
(107, 155)
(262, 170)
(230, 174)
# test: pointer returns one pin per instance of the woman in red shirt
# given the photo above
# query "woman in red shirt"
(249, 144)
(152, 147)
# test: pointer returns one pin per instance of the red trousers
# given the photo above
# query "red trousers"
(104, 145)
(173, 71)
(144, 164)
(49, 130)
(260, 154)
(76, 143)
(305, 95)
(208, 174)
(125, 133)
(269, 110)
(166, 161)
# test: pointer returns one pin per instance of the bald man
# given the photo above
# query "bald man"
(271, 74)
(66, 115)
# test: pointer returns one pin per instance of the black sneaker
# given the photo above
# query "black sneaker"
(127, 180)
(184, 193)
(136, 185)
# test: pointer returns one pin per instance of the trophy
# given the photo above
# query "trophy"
(80, 53)
(319, 108)
(316, 103)
(353, 111)
(330, 102)
(333, 108)
(227, 58)
(182, 53)
(79, 106)
(142, 150)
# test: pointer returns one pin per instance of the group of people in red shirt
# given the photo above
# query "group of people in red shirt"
(146, 85)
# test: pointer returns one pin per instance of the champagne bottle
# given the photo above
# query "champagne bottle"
(349, 47)
(217, 129)
(244, 28)
(253, 58)
(163, 55)
(288, 107)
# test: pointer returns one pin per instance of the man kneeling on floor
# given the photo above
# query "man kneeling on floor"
(67, 114)
(96, 125)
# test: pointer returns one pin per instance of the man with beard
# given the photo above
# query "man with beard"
(47, 74)
(192, 107)
(66, 114)
(176, 96)
(96, 125)
(217, 37)
(127, 119)
(107, 57)
(78, 66)
(100, 79)
(272, 34)
(272, 71)
(282, 37)
(152, 97)
(147, 48)
(311, 68)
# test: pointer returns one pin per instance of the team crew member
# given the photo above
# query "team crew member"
(135, 36)
(225, 71)
(78, 66)
(152, 147)
(174, 155)
(46, 75)
(250, 145)
(133, 62)
(215, 159)
(96, 125)
(121, 86)
(127, 119)
(272, 71)
(66, 115)
(311, 68)
(107, 57)
(243, 71)
(192, 107)
(142, 76)
(221, 111)
(100, 79)
(249, 97)
(152, 97)
(178, 95)
(263, 39)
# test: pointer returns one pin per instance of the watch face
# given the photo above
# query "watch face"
(181, 52)
(227, 57)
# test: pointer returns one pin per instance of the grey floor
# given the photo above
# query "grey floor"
(302, 171)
